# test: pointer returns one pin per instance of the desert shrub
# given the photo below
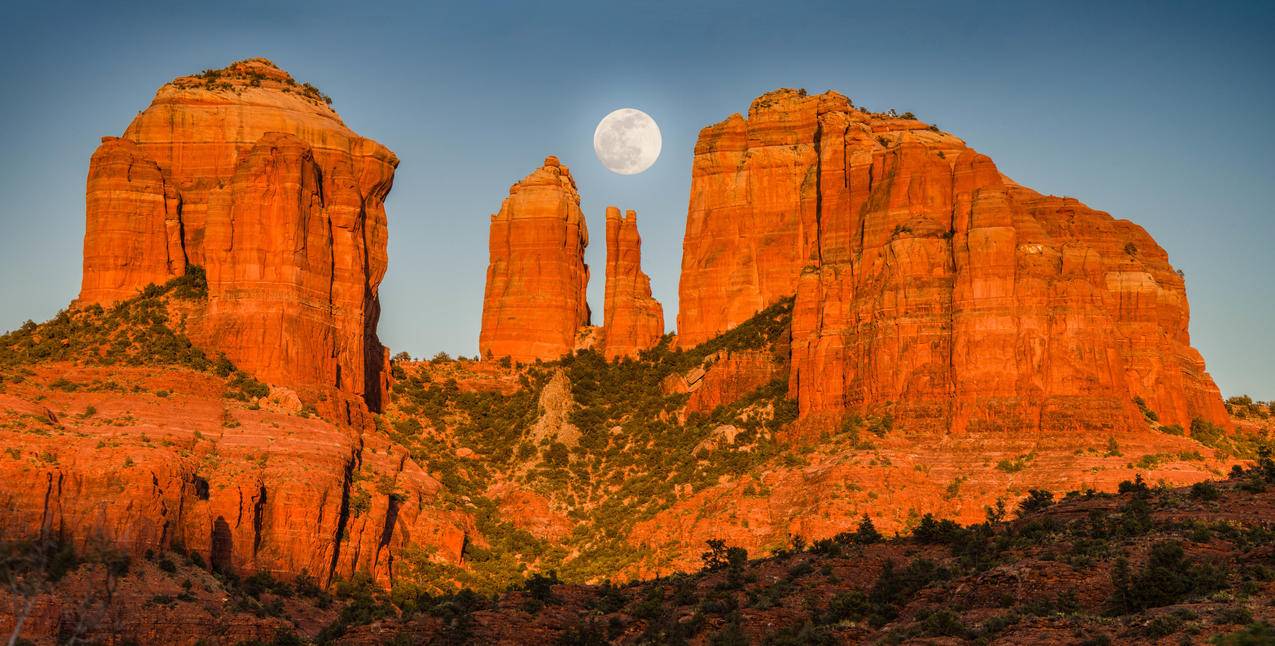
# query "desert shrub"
(1113, 447)
(1166, 577)
(1216, 437)
(894, 588)
(932, 531)
(1233, 615)
(1141, 403)
(1137, 486)
(1255, 634)
(540, 588)
(944, 623)
(585, 633)
(866, 533)
(1016, 464)
(244, 388)
(851, 605)
(1036, 500)
(1243, 407)
(1204, 491)
(365, 603)
(192, 285)
(720, 557)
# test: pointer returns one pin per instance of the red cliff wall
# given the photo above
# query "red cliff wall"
(927, 284)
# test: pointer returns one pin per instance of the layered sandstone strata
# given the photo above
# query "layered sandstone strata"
(534, 303)
(247, 487)
(927, 284)
(254, 177)
(632, 319)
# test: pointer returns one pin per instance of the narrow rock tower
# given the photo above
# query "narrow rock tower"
(632, 320)
(534, 303)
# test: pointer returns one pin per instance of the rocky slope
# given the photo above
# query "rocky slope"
(1145, 566)
(252, 176)
(929, 286)
(632, 320)
(535, 303)
(119, 432)
(646, 460)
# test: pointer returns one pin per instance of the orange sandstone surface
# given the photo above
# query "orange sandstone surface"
(535, 303)
(255, 178)
(928, 285)
(157, 458)
(632, 319)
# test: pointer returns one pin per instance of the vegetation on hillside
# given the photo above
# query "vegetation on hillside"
(133, 332)
(633, 457)
(1145, 565)
(218, 80)
(1141, 565)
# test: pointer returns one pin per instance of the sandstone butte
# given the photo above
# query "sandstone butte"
(534, 303)
(632, 319)
(927, 284)
(255, 178)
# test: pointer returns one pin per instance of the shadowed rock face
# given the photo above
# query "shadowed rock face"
(255, 178)
(927, 284)
(632, 320)
(535, 303)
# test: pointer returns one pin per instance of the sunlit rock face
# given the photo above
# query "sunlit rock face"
(632, 319)
(248, 489)
(534, 303)
(927, 284)
(254, 177)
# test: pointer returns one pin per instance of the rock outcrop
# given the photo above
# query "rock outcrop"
(632, 319)
(162, 460)
(254, 177)
(535, 303)
(927, 284)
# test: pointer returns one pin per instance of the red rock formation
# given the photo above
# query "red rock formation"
(248, 489)
(751, 223)
(928, 284)
(730, 376)
(535, 302)
(255, 178)
(724, 378)
(633, 320)
(134, 234)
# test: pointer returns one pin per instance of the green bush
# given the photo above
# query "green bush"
(1036, 500)
(1016, 464)
(1166, 577)
(1204, 491)
(1256, 634)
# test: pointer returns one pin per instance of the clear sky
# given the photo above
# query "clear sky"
(1157, 112)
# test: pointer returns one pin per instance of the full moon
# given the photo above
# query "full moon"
(627, 141)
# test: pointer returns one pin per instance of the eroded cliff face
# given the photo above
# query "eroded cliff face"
(927, 284)
(147, 459)
(632, 319)
(254, 177)
(535, 303)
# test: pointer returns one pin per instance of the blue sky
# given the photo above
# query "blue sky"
(1156, 112)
